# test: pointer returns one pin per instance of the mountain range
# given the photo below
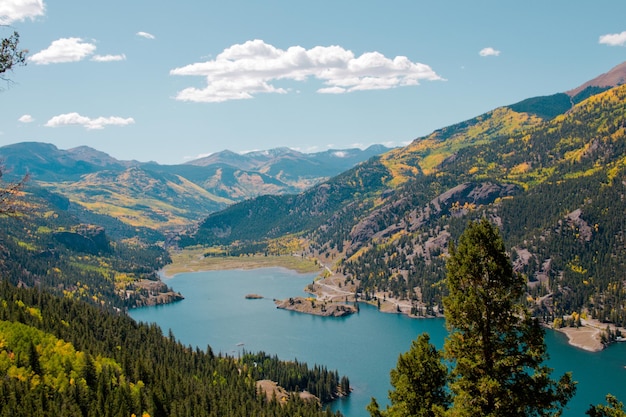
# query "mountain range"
(168, 197)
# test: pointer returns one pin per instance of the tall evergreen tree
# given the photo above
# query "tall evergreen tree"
(496, 348)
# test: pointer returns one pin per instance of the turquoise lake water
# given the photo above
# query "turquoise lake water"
(364, 346)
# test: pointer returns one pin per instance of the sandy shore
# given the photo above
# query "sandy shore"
(587, 337)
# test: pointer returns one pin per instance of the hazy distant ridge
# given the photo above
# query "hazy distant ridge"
(171, 196)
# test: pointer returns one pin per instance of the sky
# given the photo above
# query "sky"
(174, 81)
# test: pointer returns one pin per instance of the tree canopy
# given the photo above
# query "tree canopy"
(613, 408)
(10, 54)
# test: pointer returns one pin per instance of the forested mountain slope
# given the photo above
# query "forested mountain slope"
(360, 188)
(550, 171)
(69, 251)
(59, 356)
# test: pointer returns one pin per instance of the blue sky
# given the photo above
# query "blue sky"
(173, 81)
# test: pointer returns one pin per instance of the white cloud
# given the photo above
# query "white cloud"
(75, 119)
(489, 52)
(145, 35)
(108, 58)
(614, 39)
(332, 90)
(18, 10)
(27, 118)
(64, 50)
(243, 70)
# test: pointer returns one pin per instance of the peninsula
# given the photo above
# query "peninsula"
(313, 306)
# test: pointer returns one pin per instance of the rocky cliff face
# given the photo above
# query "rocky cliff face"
(85, 238)
(455, 202)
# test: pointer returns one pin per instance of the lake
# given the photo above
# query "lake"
(364, 346)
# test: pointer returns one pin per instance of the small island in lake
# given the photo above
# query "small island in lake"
(254, 297)
(311, 305)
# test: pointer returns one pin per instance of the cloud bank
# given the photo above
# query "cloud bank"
(75, 119)
(614, 39)
(243, 70)
(489, 52)
(18, 10)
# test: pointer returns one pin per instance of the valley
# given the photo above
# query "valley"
(548, 170)
(313, 209)
(372, 226)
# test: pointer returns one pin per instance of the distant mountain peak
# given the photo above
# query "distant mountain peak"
(91, 155)
(616, 76)
(260, 159)
(274, 151)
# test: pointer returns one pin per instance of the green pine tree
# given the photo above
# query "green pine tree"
(495, 349)
(419, 382)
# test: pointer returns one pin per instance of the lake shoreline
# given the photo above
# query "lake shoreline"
(330, 289)
(584, 337)
(589, 335)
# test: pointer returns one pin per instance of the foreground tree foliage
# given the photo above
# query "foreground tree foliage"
(419, 382)
(10, 54)
(495, 349)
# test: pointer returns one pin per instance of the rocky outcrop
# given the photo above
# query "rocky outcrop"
(274, 391)
(85, 238)
(151, 293)
(457, 201)
(574, 220)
